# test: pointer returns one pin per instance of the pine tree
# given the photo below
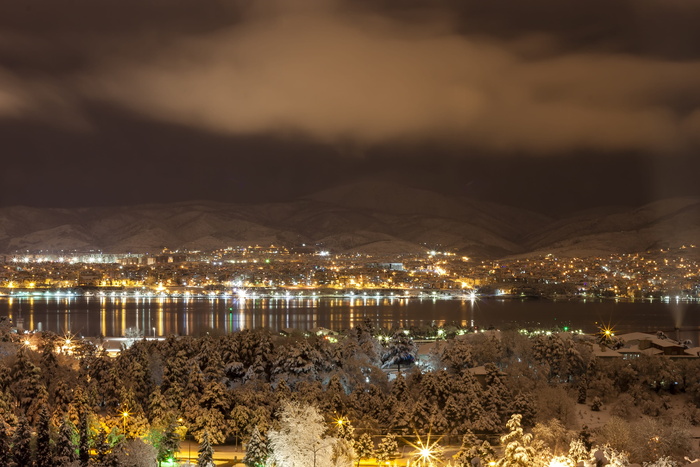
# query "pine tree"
(206, 452)
(518, 450)
(256, 450)
(5, 443)
(27, 385)
(169, 442)
(400, 349)
(65, 446)
(214, 396)
(364, 447)
(469, 449)
(21, 444)
(498, 397)
(344, 429)
(459, 356)
(239, 419)
(209, 421)
(454, 412)
(524, 404)
(387, 448)
(44, 446)
(102, 447)
(486, 452)
(84, 443)
(401, 420)
(8, 422)
(49, 364)
(159, 410)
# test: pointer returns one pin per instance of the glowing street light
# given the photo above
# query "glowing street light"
(426, 452)
(125, 415)
(341, 421)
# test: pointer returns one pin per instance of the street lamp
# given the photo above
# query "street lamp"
(184, 436)
(125, 415)
(427, 452)
(341, 421)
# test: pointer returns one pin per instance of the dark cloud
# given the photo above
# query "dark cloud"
(200, 94)
(499, 76)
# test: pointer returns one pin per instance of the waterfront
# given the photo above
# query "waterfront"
(158, 316)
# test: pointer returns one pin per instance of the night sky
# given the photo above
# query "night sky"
(556, 106)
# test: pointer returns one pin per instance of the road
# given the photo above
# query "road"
(227, 455)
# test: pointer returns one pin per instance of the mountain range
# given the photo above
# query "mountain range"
(382, 219)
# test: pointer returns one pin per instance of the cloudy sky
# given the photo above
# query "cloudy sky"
(553, 105)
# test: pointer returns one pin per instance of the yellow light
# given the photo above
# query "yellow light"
(558, 462)
(125, 414)
(426, 452)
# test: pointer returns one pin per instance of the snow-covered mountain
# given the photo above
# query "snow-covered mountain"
(370, 218)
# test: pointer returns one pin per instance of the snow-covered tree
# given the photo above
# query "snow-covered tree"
(102, 448)
(132, 453)
(21, 447)
(239, 420)
(468, 450)
(458, 355)
(27, 385)
(256, 450)
(614, 457)
(578, 452)
(300, 439)
(400, 349)
(65, 445)
(166, 440)
(44, 446)
(343, 453)
(203, 420)
(5, 443)
(84, 439)
(364, 447)
(206, 452)
(344, 429)
(554, 435)
(662, 462)
(517, 446)
(159, 409)
(387, 448)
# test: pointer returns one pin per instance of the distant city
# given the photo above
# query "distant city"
(663, 274)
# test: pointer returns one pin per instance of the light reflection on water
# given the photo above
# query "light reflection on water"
(111, 316)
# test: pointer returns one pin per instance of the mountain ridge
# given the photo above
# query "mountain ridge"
(366, 218)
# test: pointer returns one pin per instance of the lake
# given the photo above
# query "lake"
(163, 316)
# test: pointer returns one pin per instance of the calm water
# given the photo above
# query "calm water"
(110, 316)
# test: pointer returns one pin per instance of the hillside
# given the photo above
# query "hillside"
(368, 218)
